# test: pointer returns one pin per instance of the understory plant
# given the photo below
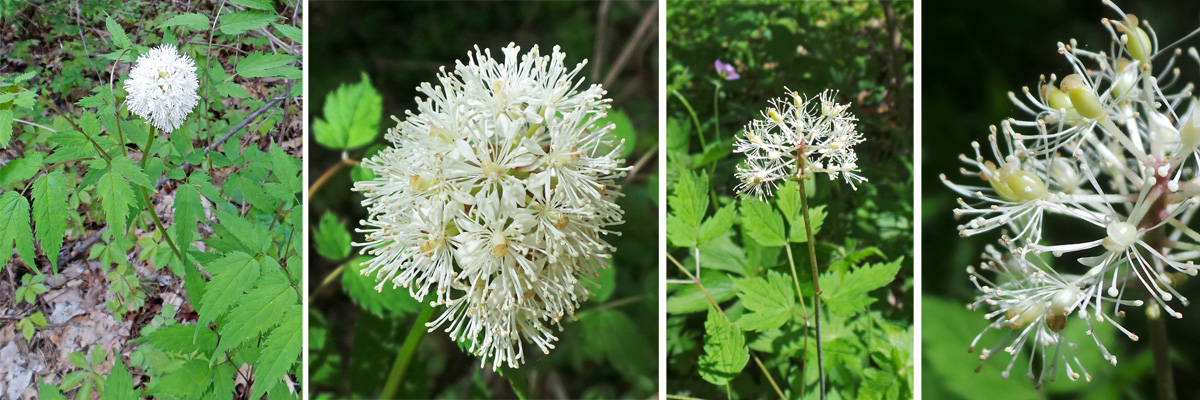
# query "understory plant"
(161, 177)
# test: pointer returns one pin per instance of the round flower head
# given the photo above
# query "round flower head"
(1106, 152)
(162, 87)
(496, 196)
(798, 135)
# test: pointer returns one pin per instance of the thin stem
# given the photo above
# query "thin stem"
(150, 206)
(328, 279)
(326, 176)
(73, 125)
(803, 309)
(812, 257)
(404, 357)
(1164, 379)
(717, 112)
(695, 119)
(722, 312)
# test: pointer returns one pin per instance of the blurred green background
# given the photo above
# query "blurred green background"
(863, 49)
(611, 351)
(974, 53)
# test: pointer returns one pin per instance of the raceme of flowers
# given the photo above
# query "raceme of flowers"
(496, 196)
(1108, 146)
(798, 135)
(162, 87)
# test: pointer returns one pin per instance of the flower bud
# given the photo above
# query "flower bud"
(1082, 97)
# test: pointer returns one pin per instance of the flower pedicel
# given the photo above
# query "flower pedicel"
(496, 196)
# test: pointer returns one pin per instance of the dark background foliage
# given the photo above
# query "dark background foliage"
(399, 45)
(975, 53)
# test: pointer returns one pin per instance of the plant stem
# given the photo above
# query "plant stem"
(717, 112)
(695, 119)
(1164, 378)
(803, 309)
(150, 206)
(816, 277)
(326, 176)
(73, 125)
(404, 357)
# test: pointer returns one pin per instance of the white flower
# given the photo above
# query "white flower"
(1104, 155)
(162, 87)
(813, 134)
(496, 196)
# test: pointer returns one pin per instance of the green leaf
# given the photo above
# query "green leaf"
(14, 228)
(20, 169)
(49, 392)
(193, 21)
(361, 289)
(689, 202)
(846, 295)
(769, 301)
(233, 274)
(119, 383)
(718, 224)
(623, 129)
(188, 211)
(256, 312)
(261, 65)
(333, 240)
(190, 379)
(240, 22)
(352, 115)
(265, 5)
(602, 287)
(117, 33)
(280, 350)
(680, 233)
(762, 223)
(713, 152)
(725, 352)
(6, 127)
(50, 213)
(183, 339)
(131, 171)
(613, 336)
(817, 215)
(116, 196)
(290, 32)
(691, 299)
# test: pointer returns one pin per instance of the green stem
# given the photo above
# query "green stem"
(150, 206)
(73, 125)
(717, 112)
(1164, 378)
(695, 119)
(803, 309)
(404, 357)
(812, 257)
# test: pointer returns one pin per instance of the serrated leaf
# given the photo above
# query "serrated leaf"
(333, 240)
(712, 152)
(816, 215)
(117, 33)
(718, 224)
(50, 213)
(763, 223)
(769, 300)
(15, 229)
(119, 383)
(20, 169)
(49, 392)
(131, 171)
(262, 65)
(290, 32)
(613, 336)
(361, 289)
(352, 115)
(689, 202)
(190, 379)
(116, 196)
(722, 254)
(6, 127)
(265, 5)
(680, 233)
(233, 274)
(846, 295)
(188, 211)
(183, 339)
(256, 313)
(281, 349)
(240, 22)
(725, 352)
(193, 21)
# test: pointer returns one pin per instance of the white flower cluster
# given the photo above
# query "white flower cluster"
(1107, 147)
(496, 196)
(797, 136)
(162, 87)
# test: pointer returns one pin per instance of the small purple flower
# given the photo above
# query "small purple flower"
(726, 71)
